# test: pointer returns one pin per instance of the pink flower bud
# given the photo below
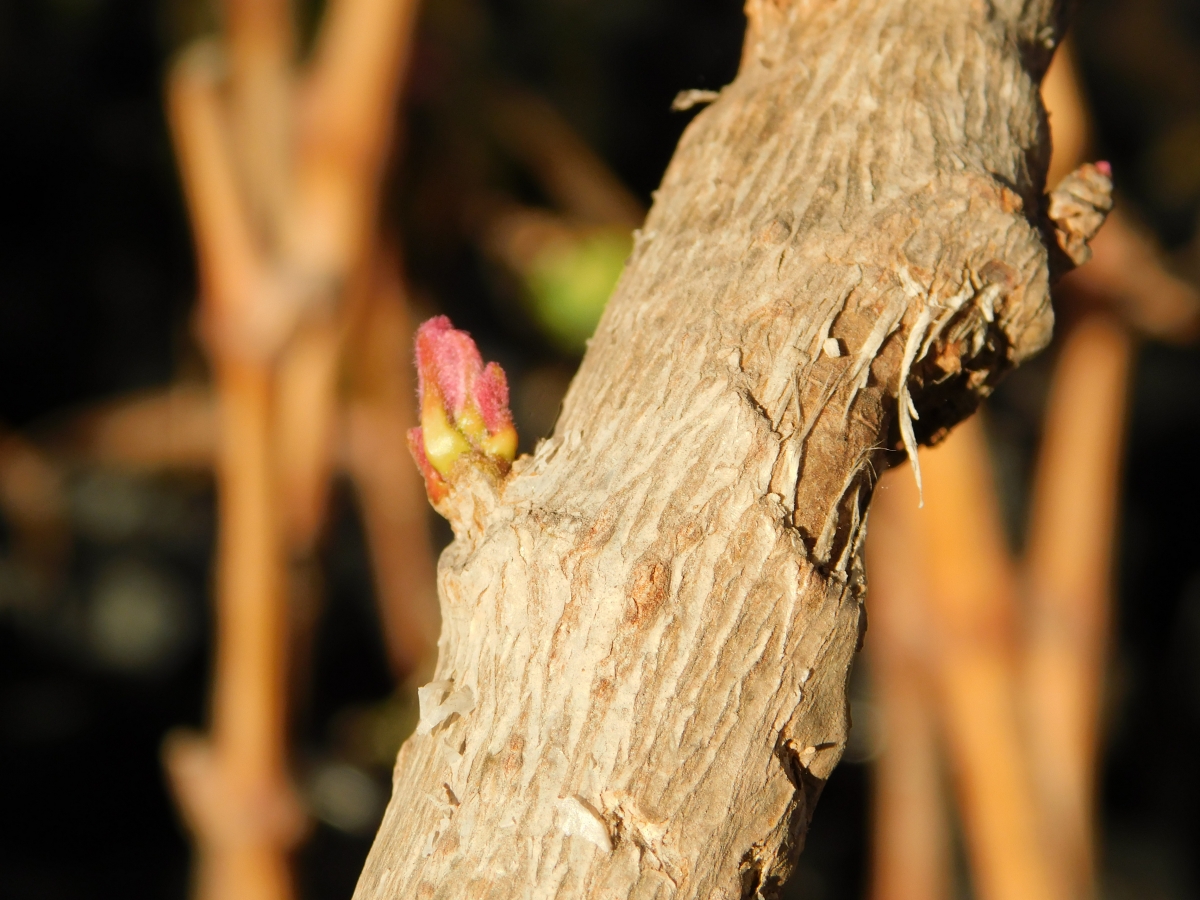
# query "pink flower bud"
(491, 393)
(448, 359)
(464, 405)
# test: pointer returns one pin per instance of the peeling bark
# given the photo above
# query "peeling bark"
(655, 614)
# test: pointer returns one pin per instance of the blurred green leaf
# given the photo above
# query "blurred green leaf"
(570, 283)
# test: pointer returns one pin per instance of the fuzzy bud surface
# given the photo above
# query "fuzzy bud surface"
(463, 407)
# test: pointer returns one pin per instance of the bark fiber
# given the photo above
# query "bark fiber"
(648, 626)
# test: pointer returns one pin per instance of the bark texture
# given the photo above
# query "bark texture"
(648, 625)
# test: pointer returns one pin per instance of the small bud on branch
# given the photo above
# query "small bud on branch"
(464, 407)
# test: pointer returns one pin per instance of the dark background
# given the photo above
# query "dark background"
(96, 291)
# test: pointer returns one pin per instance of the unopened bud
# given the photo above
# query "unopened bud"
(463, 406)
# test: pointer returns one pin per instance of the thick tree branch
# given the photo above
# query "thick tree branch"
(648, 625)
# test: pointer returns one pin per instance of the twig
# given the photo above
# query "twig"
(1068, 561)
(156, 430)
(260, 46)
(227, 250)
(1068, 569)
(279, 230)
(347, 112)
(911, 836)
(390, 491)
(234, 789)
(1128, 275)
(34, 505)
(973, 606)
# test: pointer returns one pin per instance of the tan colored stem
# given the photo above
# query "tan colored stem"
(249, 715)
(911, 839)
(1068, 559)
(973, 601)
(260, 45)
(247, 709)
(306, 430)
(1069, 569)
(227, 251)
(1067, 110)
(282, 211)
(1127, 272)
(33, 502)
(1128, 275)
(281, 221)
(234, 789)
(344, 136)
(345, 131)
(391, 493)
(165, 429)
